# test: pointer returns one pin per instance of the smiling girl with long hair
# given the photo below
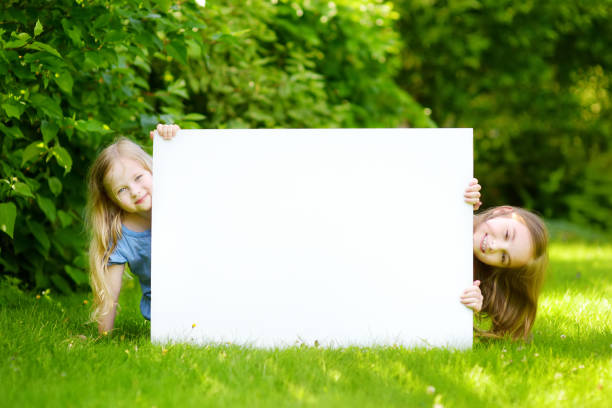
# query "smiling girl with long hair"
(510, 260)
(119, 203)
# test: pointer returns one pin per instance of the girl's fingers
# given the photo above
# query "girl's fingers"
(167, 131)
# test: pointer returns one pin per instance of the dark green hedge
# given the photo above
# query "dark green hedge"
(74, 74)
(533, 79)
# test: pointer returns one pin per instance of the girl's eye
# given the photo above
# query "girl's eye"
(121, 190)
(138, 177)
(503, 258)
(507, 234)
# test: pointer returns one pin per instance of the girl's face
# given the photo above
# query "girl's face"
(503, 241)
(130, 186)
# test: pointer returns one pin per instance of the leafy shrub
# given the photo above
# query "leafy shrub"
(533, 80)
(75, 73)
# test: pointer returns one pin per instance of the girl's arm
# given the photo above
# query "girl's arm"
(115, 274)
(472, 194)
(472, 297)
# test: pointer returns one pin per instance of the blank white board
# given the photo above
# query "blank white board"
(272, 238)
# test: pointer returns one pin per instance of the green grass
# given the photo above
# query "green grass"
(50, 357)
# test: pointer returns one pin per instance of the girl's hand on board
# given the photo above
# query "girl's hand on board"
(472, 194)
(167, 132)
(472, 297)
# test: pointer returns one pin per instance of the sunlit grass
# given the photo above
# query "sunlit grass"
(50, 357)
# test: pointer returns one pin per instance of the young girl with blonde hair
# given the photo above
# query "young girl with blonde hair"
(510, 260)
(120, 189)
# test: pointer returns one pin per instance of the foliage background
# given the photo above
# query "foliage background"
(531, 78)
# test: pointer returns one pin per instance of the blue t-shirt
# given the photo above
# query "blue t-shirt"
(134, 248)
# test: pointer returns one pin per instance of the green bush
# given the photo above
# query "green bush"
(72, 76)
(533, 80)
(77, 73)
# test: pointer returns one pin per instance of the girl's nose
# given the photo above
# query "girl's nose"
(497, 245)
(493, 245)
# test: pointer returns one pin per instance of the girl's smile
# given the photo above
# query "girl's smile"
(140, 201)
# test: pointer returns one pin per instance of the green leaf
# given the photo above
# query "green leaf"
(64, 217)
(63, 158)
(47, 206)
(178, 88)
(74, 32)
(38, 46)
(115, 36)
(49, 130)
(163, 5)
(38, 28)
(64, 81)
(61, 283)
(16, 43)
(23, 190)
(177, 50)
(11, 131)
(33, 150)
(55, 185)
(92, 125)
(77, 275)
(12, 110)
(8, 213)
(194, 116)
(47, 105)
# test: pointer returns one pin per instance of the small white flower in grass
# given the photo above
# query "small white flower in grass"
(431, 390)
(558, 376)
(201, 3)
(562, 336)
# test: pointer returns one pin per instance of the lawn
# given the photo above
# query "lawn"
(50, 357)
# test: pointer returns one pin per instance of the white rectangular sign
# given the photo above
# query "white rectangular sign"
(280, 237)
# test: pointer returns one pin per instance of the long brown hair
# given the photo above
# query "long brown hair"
(511, 294)
(104, 219)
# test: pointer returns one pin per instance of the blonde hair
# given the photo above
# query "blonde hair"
(511, 294)
(104, 220)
